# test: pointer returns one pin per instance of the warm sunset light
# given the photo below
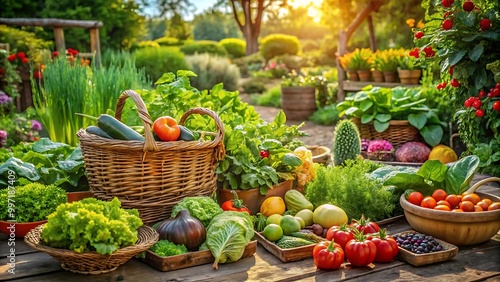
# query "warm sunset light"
(313, 10)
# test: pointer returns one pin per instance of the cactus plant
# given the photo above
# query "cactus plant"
(346, 142)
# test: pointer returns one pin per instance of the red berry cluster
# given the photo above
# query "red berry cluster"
(475, 102)
(468, 6)
(494, 92)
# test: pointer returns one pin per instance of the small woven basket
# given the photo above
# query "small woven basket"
(398, 133)
(93, 262)
(151, 176)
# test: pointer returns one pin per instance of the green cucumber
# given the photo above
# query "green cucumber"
(117, 129)
(186, 134)
(97, 131)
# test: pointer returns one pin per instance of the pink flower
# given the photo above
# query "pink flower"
(272, 65)
(379, 145)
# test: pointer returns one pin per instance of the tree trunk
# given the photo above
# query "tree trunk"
(250, 27)
(252, 44)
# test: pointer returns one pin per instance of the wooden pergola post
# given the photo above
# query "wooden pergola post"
(59, 38)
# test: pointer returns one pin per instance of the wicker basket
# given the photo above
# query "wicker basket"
(151, 176)
(92, 262)
(399, 132)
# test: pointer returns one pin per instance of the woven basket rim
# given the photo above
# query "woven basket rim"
(391, 122)
(147, 236)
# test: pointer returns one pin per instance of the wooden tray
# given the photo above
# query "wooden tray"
(414, 259)
(189, 259)
(285, 255)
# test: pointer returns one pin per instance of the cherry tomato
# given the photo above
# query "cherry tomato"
(453, 199)
(328, 255)
(442, 208)
(415, 198)
(494, 206)
(166, 128)
(365, 225)
(478, 208)
(428, 202)
(496, 106)
(467, 206)
(264, 154)
(443, 202)
(476, 104)
(479, 113)
(387, 248)
(360, 251)
(439, 194)
(474, 198)
(340, 234)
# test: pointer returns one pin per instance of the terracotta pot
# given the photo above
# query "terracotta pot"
(77, 196)
(364, 75)
(252, 198)
(18, 229)
(409, 76)
(378, 76)
(298, 103)
(390, 76)
(353, 75)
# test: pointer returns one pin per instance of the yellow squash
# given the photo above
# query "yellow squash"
(443, 153)
(272, 205)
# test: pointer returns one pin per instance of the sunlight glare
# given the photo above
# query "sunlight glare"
(314, 9)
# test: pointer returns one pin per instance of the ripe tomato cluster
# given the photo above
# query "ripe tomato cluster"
(476, 103)
(361, 242)
(440, 200)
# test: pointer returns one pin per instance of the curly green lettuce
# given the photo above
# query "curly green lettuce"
(165, 248)
(202, 207)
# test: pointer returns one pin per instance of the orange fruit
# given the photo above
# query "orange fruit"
(453, 199)
(444, 202)
(467, 206)
(439, 194)
(478, 208)
(428, 202)
(474, 198)
(488, 201)
(442, 207)
(494, 206)
(415, 198)
(484, 205)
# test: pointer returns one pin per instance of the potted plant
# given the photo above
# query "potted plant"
(363, 58)
(376, 108)
(409, 70)
(466, 42)
(387, 63)
(298, 95)
(350, 66)
(25, 207)
(377, 66)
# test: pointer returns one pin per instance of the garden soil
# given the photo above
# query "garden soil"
(319, 135)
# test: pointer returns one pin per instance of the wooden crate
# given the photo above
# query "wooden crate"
(414, 259)
(190, 259)
(286, 255)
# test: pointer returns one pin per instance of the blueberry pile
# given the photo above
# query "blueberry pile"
(418, 243)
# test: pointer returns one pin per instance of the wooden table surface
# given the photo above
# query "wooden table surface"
(472, 263)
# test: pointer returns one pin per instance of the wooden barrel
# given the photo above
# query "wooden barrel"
(298, 103)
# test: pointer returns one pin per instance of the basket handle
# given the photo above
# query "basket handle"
(150, 144)
(219, 138)
(481, 182)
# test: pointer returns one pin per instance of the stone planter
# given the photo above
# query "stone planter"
(252, 198)
(409, 76)
(298, 103)
(364, 75)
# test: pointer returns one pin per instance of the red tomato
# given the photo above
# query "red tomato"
(264, 154)
(328, 255)
(360, 251)
(494, 206)
(415, 198)
(387, 248)
(467, 206)
(496, 106)
(340, 235)
(453, 199)
(439, 194)
(443, 202)
(166, 128)
(428, 202)
(473, 197)
(365, 225)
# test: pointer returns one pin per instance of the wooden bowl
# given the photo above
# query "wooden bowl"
(321, 154)
(465, 228)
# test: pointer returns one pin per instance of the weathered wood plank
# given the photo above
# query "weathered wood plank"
(29, 265)
(49, 22)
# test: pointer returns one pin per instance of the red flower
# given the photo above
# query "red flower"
(415, 53)
(21, 55)
(447, 24)
(25, 60)
(12, 57)
(485, 24)
(429, 52)
(38, 74)
(55, 53)
(419, 34)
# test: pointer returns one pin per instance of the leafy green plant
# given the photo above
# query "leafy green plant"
(361, 59)
(165, 248)
(328, 115)
(351, 188)
(279, 44)
(381, 105)
(33, 202)
(46, 162)
(203, 46)
(235, 47)
(213, 70)
(387, 60)
(271, 97)
(157, 61)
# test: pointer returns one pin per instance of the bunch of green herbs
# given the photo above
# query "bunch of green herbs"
(165, 248)
(351, 188)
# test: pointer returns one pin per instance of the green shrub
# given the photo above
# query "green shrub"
(20, 40)
(270, 98)
(168, 41)
(203, 46)
(249, 63)
(328, 115)
(235, 47)
(254, 85)
(212, 70)
(309, 45)
(157, 61)
(292, 62)
(279, 44)
(145, 44)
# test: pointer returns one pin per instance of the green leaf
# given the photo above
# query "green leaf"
(186, 73)
(455, 57)
(20, 168)
(470, 38)
(404, 180)
(44, 144)
(292, 160)
(351, 111)
(476, 52)
(380, 126)
(165, 78)
(480, 78)
(418, 120)
(280, 118)
(366, 118)
(432, 134)
(460, 174)
(383, 117)
(433, 170)
(104, 249)
(366, 105)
